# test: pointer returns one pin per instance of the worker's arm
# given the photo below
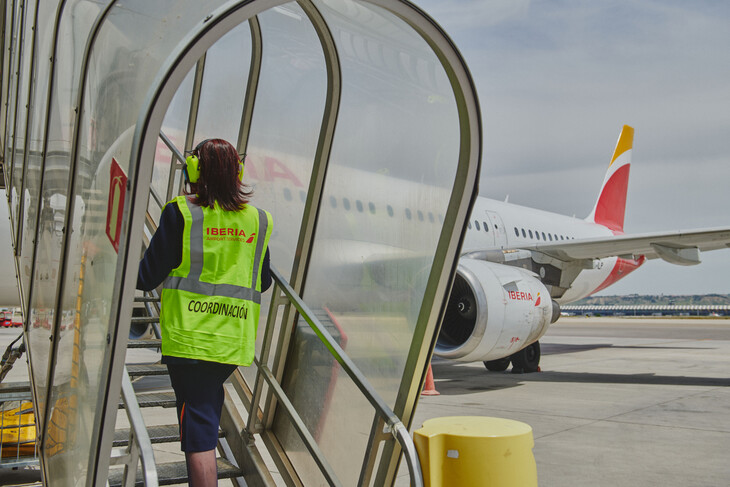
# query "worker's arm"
(266, 272)
(165, 250)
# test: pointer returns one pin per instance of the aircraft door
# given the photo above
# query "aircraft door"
(498, 229)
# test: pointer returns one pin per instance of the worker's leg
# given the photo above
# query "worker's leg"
(202, 471)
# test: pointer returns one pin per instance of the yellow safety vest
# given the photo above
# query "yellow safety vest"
(211, 301)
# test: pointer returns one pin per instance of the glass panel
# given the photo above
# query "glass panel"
(396, 146)
(37, 121)
(75, 23)
(135, 39)
(174, 125)
(8, 34)
(20, 124)
(224, 86)
(9, 135)
(285, 130)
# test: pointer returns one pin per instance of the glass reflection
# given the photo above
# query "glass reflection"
(394, 159)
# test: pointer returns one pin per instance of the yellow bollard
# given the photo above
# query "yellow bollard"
(476, 451)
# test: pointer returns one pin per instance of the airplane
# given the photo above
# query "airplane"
(519, 264)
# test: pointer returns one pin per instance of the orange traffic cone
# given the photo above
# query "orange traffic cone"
(429, 389)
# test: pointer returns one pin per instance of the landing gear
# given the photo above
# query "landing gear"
(527, 359)
(499, 365)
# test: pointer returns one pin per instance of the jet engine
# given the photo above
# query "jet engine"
(494, 311)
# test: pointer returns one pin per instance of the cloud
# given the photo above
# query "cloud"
(474, 14)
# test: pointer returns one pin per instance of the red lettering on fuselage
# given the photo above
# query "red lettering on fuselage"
(269, 169)
(519, 296)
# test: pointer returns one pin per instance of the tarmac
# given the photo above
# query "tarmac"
(618, 401)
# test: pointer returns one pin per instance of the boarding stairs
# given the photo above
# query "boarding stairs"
(126, 454)
(238, 457)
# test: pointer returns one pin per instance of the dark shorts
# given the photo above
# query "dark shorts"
(199, 398)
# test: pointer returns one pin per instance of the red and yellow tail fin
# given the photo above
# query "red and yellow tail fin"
(611, 204)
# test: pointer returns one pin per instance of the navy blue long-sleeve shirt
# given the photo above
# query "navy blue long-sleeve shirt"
(165, 252)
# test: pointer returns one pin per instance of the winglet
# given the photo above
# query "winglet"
(610, 207)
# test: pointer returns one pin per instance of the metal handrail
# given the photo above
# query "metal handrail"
(140, 446)
(394, 425)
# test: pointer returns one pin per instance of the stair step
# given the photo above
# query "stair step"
(145, 320)
(165, 433)
(140, 370)
(154, 400)
(146, 299)
(175, 473)
(154, 343)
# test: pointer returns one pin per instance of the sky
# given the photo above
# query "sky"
(557, 80)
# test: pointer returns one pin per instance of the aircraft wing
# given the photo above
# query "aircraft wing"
(678, 247)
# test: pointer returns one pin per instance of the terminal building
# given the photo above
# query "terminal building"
(647, 310)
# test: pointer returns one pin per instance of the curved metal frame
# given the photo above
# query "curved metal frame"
(18, 79)
(44, 150)
(26, 144)
(60, 287)
(189, 51)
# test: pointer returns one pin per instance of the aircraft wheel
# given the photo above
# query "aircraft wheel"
(527, 359)
(499, 365)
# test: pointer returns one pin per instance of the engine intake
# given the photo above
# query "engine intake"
(494, 310)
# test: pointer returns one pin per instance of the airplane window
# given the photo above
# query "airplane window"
(390, 210)
(333, 202)
(441, 219)
(517, 232)
(537, 235)
(486, 228)
(476, 224)
(287, 194)
(562, 237)
(543, 236)
(430, 217)
(530, 232)
(358, 204)
(420, 216)
(302, 196)
(346, 203)
(408, 213)
(551, 237)
(371, 207)
(469, 225)
(495, 227)
(523, 233)
(556, 236)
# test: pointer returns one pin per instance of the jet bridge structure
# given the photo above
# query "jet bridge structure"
(361, 132)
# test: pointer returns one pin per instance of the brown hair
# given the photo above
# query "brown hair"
(219, 179)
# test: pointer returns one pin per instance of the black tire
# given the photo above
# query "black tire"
(499, 365)
(527, 359)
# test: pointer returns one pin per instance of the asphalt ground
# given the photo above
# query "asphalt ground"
(618, 401)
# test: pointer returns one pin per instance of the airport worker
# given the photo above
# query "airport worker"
(210, 253)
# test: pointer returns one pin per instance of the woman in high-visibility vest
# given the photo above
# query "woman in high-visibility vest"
(210, 253)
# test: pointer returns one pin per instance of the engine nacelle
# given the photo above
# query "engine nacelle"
(494, 310)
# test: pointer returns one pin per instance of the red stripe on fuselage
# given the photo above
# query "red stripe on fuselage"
(611, 206)
(622, 268)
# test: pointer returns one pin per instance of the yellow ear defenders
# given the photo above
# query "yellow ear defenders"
(191, 171)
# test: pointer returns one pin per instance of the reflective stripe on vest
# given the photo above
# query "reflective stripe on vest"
(192, 282)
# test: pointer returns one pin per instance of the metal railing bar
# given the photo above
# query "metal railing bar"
(265, 351)
(395, 426)
(170, 145)
(299, 425)
(141, 437)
